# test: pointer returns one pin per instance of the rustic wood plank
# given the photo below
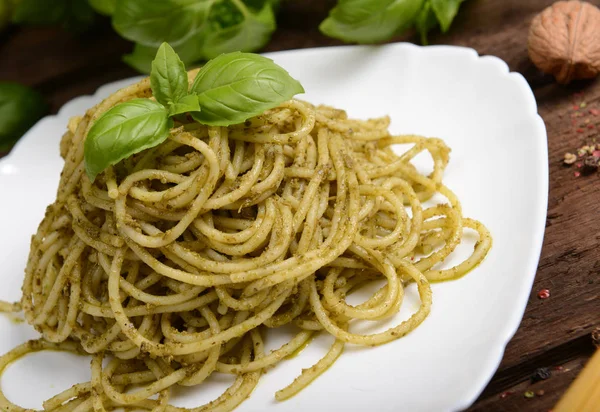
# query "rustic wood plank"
(34, 55)
(546, 393)
(508, 378)
(569, 264)
(63, 65)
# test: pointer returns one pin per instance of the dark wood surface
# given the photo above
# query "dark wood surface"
(555, 332)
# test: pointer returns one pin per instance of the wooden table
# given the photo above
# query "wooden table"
(555, 332)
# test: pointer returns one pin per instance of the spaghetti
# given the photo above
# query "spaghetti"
(174, 262)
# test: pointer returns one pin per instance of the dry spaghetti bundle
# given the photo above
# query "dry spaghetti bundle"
(173, 263)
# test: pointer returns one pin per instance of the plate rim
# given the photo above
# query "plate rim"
(497, 348)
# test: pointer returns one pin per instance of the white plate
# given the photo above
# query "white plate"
(498, 168)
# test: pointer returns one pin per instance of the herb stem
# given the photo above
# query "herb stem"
(241, 7)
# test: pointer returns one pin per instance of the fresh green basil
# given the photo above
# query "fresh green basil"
(236, 86)
(232, 26)
(445, 11)
(187, 104)
(227, 90)
(142, 56)
(71, 14)
(219, 26)
(106, 7)
(20, 108)
(124, 130)
(425, 21)
(169, 80)
(369, 21)
(152, 22)
(40, 12)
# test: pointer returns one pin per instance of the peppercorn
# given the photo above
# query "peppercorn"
(540, 374)
(545, 293)
(590, 165)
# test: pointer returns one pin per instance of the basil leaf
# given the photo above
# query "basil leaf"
(369, 21)
(236, 86)
(40, 12)
(142, 56)
(425, 21)
(232, 29)
(74, 15)
(445, 11)
(124, 130)
(106, 7)
(186, 104)
(168, 78)
(80, 15)
(152, 22)
(20, 108)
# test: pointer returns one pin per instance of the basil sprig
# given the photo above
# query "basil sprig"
(197, 29)
(371, 21)
(229, 89)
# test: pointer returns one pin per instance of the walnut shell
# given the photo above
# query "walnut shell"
(564, 40)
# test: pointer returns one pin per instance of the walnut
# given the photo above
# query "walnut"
(564, 41)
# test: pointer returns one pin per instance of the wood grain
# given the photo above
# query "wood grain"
(555, 331)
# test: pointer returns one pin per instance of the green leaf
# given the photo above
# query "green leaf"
(124, 130)
(250, 33)
(370, 21)
(425, 21)
(142, 56)
(106, 7)
(168, 78)
(39, 12)
(445, 11)
(20, 108)
(80, 15)
(236, 86)
(187, 104)
(73, 15)
(152, 22)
